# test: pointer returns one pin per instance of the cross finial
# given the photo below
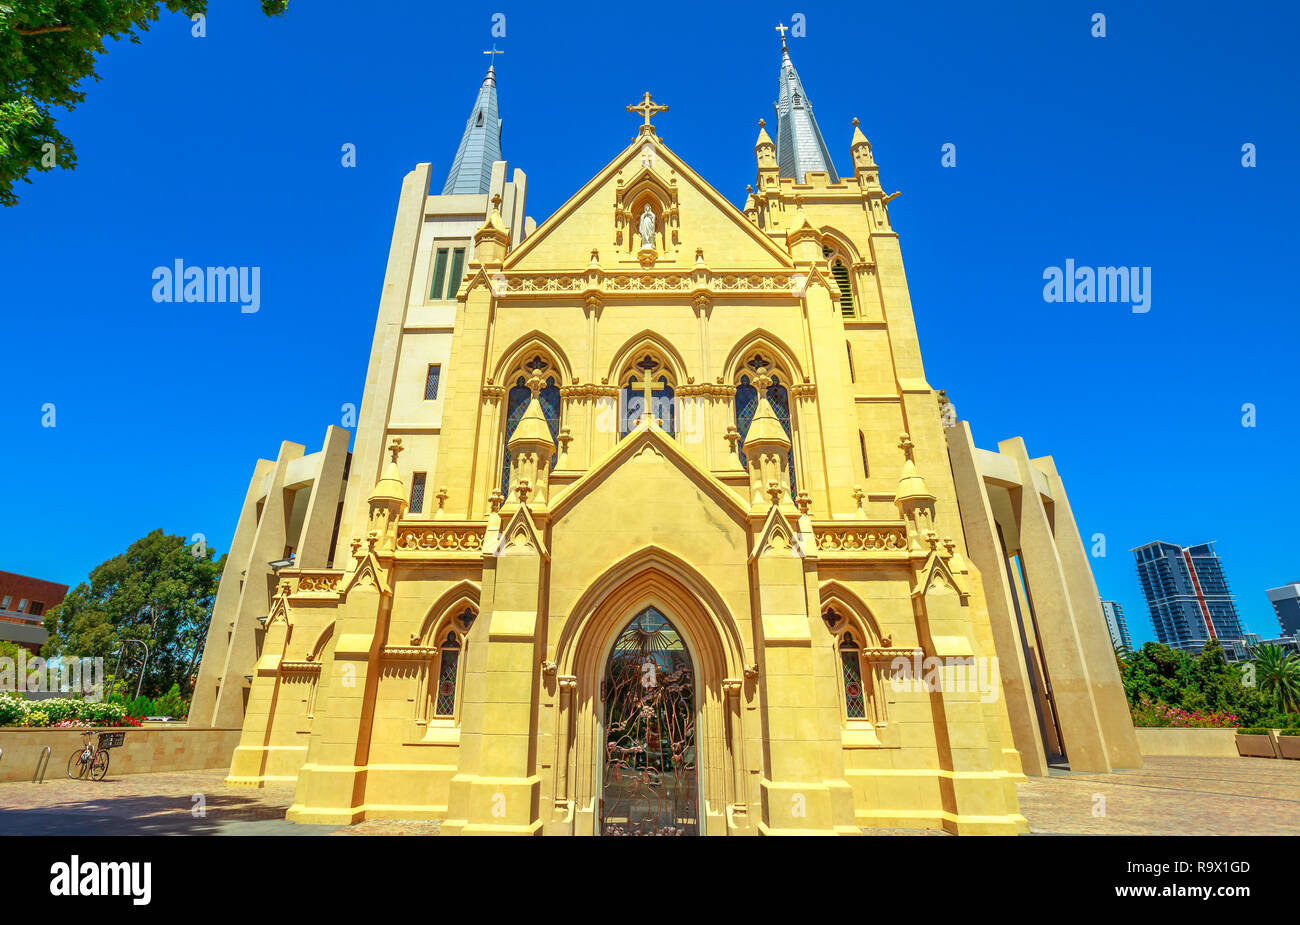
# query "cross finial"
(496, 201)
(395, 447)
(494, 51)
(762, 123)
(905, 444)
(647, 108)
(783, 29)
(855, 121)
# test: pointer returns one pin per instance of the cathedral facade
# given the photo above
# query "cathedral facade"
(649, 525)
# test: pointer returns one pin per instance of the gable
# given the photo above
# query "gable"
(647, 493)
(690, 214)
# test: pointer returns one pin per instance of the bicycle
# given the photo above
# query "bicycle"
(91, 760)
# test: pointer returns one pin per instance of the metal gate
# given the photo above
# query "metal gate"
(650, 783)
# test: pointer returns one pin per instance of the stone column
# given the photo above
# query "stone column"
(985, 551)
(224, 610)
(1090, 623)
(1062, 650)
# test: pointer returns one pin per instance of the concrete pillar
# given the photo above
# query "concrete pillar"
(368, 449)
(255, 599)
(985, 550)
(1107, 688)
(314, 549)
(203, 704)
(1072, 687)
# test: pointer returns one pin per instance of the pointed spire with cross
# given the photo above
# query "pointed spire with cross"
(783, 29)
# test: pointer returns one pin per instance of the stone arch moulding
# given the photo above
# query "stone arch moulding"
(446, 608)
(647, 342)
(840, 245)
(321, 641)
(651, 577)
(521, 352)
(834, 594)
(768, 344)
(630, 198)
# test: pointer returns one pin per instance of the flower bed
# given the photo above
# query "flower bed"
(1155, 713)
(62, 712)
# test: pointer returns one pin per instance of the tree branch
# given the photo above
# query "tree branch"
(43, 29)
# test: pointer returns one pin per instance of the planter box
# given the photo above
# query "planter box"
(1256, 746)
(1288, 747)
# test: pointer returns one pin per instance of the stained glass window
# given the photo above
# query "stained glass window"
(445, 703)
(431, 382)
(746, 402)
(850, 659)
(662, 406)
(417, 493)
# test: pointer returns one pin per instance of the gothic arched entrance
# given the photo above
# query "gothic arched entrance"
(649, 774)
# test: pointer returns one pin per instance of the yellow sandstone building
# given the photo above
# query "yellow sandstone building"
(650, 527)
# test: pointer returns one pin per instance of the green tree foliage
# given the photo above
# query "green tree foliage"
(47, 49)
(1277, 672)
(157, 591)
(1203, 683)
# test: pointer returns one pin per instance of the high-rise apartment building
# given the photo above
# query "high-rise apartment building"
(1187, 594)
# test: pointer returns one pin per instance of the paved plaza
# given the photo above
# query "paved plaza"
(1170, 796)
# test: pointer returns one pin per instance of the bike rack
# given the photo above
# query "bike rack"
(42, 765)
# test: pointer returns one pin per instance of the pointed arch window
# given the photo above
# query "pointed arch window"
(859, 675)
(441, 698)
(633, 397)
(855, 701)
(517, 403)
(862, 442)
(448, 669)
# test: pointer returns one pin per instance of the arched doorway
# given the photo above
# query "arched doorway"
(649, 773)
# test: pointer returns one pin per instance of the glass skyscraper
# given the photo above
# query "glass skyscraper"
(1187, 594)
(1116, 625)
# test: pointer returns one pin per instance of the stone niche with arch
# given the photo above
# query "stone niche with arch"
(631, 198)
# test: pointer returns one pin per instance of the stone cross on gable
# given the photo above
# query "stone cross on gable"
(395, 447)
(647, 108)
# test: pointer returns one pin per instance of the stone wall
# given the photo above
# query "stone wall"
(1200, 743)
(146, 748)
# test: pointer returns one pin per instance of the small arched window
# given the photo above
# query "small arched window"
(848, 348)
(441, 698)
(633, 397)
(855, 701)
(862, 442)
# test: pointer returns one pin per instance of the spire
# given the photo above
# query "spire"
(471, 171)
(799, 143)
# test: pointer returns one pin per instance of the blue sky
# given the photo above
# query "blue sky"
(1123, 150)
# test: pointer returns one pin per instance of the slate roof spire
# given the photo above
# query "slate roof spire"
(471, 171)
(799, 143)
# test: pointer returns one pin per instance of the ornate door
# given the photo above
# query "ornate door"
(649, 782)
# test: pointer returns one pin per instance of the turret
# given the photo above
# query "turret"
(387, 502)
(531, 447)
(767, 451)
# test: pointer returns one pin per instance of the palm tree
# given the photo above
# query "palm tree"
(1277, 672)
(1123, 655)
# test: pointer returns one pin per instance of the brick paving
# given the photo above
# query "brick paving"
(1169, 796)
